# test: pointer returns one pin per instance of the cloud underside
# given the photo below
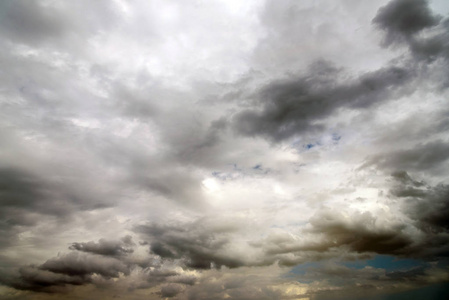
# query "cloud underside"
(243, 171)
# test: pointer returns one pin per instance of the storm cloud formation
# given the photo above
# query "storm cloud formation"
(292, 107)
(403, 19)
(104, 247)
(224, 149)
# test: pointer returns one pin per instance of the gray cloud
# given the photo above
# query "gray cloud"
(428, 206)
(170, 290)
(26, 198)
(49, 25)
(293, 106)
(199, 128)
(198, 248)
(35, 279)
(401, 19)
(360, 234)
(58, 273)
(105, 247)
(79, 264)
(422, 157)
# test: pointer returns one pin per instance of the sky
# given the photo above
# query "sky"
(224, 149)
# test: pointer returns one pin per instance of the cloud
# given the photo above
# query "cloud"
(59, 273)
(35, 279)
(428, 206)
(170, 290)
(296, 105)
(106, 248)
(413, 24)
(401, 19)
(359, 233)
(78, 264)
(222, 149)
(198, 248)
(49, 25)
(421, 157)
(27, 197)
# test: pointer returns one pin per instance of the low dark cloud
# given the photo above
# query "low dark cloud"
(401, 19)
(293, 106)
(105, 247)
(79, 264)
(296, 105)
(59, 273)
(30, 22)
(427, 205)
(35, 279)
(360, 233)
(413, 24)
(100, 264)
(26, 197)
(197, 247)
(43, 25)
(110, 125)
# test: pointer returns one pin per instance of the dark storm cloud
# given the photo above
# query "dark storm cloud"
(24, 190)
(296, 105)
(30, 22)
(26, 198)
(81, 264)
(40, 23)
(90, 128)
(293, 106)
(91, 261)
(401, 19)
(197, 247)
(106, 247)
(35, 279)
(404, 22)
(64, 270)
(428, 207)
(360, 233)
(348, 236)
(433, 47)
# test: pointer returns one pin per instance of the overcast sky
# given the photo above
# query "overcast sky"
(260, 149)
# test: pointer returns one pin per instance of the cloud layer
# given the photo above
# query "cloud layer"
(219, 149)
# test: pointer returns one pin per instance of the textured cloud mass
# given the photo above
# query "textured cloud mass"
(224, 149)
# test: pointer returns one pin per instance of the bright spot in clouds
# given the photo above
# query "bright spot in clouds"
(211, 184)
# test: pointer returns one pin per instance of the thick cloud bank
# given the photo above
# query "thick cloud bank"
(224, 149)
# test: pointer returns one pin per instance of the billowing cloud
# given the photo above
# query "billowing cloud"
(402, 19)
(295, 106)
(223, 149)
(107, 248)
